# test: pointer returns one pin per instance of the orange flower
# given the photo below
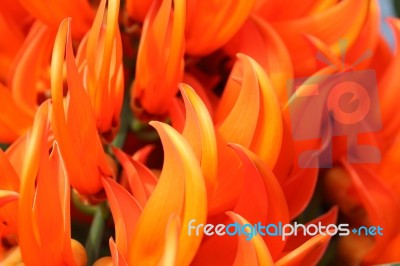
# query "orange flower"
(159, 65)
(220, 79)
(99, 61)
(259, 187)
(75, 144)
(139, 232)
(43, 176)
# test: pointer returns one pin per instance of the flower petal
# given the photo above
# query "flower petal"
(162, 41)
(125, 210)
(260, 248)
(268, 49)
(324, 26)
(181, 181)
(308, 249)
(211, 24)
(199, 132)
(77, 134)
(240, 102)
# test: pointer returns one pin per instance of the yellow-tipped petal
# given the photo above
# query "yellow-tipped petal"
(267, 138)
(268, 49)
(237, 116)
(171, 242)
(7, 196)
(125, 210)
(268, 192)
(73, 141)
(181, 182)
(29, 241)
(258, 246)
(199, 132)
(162, 41)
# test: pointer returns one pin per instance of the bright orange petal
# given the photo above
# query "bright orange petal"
(211, 24)
(373, 193)
(181, 182)
(7, 196)
(29, 64)
(262, 199)
(125, 210)
(199, 132)
(171, 242)
(240, 102)
(308, 249)
(29, 241)
(162, 41)
(324, 26)
(75, 143)
(260, 248)
(117, 258)
(268, 49)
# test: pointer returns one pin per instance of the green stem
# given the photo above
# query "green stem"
(82, 207)
(93, 242)
(126, 117)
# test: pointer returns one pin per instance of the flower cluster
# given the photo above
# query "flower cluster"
(121, 122)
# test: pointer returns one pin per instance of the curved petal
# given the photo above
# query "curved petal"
(7, 196)
(75, 142)
(29, 64)
(47, 240)
(240, 102)
(29, 241)
(159, 65)
(171, 242)
(373, 194)
(199, 132)
(267, 138)
(134, 179)
(262, 199)
(125, 210)
(324, 26)
(303, 249)
(389, 90)
(210, 24)
(181, 182)
(268, 49)
(101, 63)
(117, 258)
(257, 246)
